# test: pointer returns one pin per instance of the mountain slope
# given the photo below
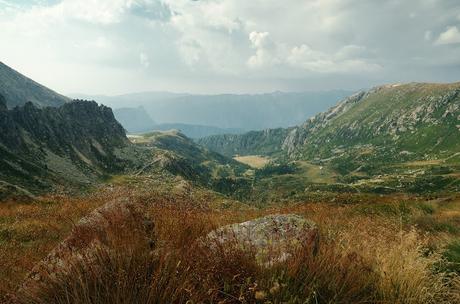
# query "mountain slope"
(388, 139)
(134, 120)
(196, 131)
(17, 89)
(266, 142)
(176, 154)
(75, 144)
(418, 120)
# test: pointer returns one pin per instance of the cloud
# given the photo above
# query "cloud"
(232, 44)
(260, 39)
(450, 36)
(144, 60)
(428, 35)
(347, 59)
(267, 52)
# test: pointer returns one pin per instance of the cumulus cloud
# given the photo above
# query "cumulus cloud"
(347, 59)
(232, 44)
(267, 52)
(450, 36)
(260, 39)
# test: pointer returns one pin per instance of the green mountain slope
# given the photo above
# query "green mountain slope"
(174, 152)
(17, 89)
(388, 139)
(409, 121)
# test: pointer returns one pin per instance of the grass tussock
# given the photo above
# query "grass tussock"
(361, 259)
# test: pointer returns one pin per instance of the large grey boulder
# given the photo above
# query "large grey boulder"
(272, 239)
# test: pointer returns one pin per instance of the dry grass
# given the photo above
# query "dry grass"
(253, 161)
(363, 258)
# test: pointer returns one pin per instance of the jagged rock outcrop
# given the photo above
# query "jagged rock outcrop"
(264, 142)
(72, 144)
(272, 239)
(297, 137)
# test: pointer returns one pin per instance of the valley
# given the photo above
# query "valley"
(358, 204)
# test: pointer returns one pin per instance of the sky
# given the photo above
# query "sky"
(229, 46)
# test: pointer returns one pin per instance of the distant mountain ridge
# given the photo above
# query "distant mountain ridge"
(228, 111)
(134, 120)
(137, 120)
(416, 119)
(17, 90)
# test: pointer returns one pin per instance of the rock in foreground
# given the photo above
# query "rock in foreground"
(120, 224)
(272, 239)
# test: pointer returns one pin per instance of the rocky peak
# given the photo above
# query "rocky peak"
(77, 141)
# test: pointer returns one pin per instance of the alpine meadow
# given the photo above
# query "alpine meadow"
(229, 151)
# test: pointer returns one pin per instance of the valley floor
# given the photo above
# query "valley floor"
(373, 249)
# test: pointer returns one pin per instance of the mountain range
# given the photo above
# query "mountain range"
(225, 111)
(400, 137)
(420, 120)
(137, 120)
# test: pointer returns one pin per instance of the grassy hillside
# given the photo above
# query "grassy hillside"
(420, 120)
(393, 138)
(173, 152)
(377, 177)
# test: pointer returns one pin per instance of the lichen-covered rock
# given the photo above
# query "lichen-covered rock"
(272, 239)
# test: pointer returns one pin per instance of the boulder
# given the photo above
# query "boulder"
(115, 225)
(272, 239)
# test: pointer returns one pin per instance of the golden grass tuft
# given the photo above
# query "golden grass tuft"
(363, 258)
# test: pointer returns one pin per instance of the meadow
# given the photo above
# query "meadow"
(373, 249)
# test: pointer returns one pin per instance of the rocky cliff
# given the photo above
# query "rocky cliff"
(266, 142)
(72, 144)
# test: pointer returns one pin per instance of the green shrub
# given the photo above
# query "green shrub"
(452, 255)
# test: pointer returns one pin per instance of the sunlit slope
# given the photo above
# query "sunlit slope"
(393, 122)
